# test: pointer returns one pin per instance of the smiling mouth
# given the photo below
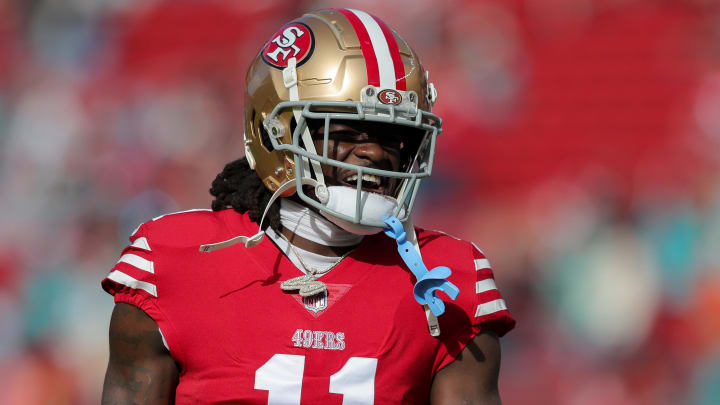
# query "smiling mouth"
(371, 183)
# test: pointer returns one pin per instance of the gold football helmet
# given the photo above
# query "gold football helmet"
(335, 64)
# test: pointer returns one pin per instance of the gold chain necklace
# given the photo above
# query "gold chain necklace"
(308, 284)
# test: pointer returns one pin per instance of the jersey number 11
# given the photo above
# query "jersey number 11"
(282, 377)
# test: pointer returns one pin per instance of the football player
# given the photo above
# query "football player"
(307, 282)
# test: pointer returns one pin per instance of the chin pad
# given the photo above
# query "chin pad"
(373, 207)
(352, 227)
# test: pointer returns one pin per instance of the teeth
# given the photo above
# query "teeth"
(366, 178)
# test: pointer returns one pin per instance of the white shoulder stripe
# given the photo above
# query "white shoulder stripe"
(477, 248)
(386, 69)
(181, 212)
(163, 339)
(491, 307)
(138, 262)
(482, 264)
(485, 285)
(141, 243)
(135, 231)
(122, 278)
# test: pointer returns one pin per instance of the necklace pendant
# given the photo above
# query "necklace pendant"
(307, 284)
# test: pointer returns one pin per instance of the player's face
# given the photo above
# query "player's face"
(365, 144)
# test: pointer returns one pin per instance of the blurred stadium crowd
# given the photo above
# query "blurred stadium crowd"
(581, 152)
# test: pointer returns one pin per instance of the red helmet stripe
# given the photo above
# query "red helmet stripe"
(394, 54)
(371, 63)
(386, 68)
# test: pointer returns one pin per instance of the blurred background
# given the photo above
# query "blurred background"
(581, 152)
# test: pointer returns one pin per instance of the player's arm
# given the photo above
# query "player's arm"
(141, 370)
(473, 377)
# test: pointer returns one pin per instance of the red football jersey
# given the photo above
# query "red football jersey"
(239, 338)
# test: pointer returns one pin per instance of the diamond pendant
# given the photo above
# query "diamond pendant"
(307, 284)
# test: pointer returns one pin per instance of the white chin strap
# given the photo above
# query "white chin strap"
(373, 206)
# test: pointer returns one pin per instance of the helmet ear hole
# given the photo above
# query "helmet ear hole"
(265, 137)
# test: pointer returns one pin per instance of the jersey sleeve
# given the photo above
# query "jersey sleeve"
(479, 307)
(132, 279)
(489, 310)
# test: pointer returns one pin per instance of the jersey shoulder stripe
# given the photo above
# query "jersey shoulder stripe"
(490, 307)
(141, 243)
(482, 264)
(485, 285)
(128, 281)
(138, 262)
(180, 212)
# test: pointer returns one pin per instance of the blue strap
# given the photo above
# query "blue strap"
(427, 281)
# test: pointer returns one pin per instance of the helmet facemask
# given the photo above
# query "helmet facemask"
(416, 164)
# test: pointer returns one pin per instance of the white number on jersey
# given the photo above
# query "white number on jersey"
(282, 377)
(356, 381)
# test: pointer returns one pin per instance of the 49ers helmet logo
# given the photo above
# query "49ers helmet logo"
(390, 96)
(292, 40)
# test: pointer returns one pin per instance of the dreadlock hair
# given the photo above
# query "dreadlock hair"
(239, 187)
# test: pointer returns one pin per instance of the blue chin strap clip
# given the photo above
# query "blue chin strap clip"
(427, 281)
